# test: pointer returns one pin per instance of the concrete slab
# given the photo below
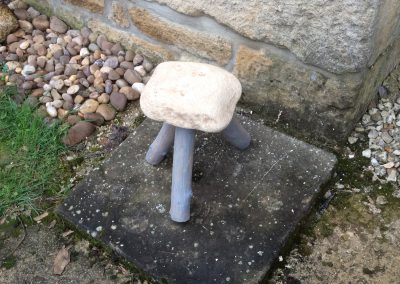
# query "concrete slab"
(245, 206)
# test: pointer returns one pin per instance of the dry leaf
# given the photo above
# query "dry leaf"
(61, 261)
(41, 216)
(123, 270)
(52, 224)
(67, 233)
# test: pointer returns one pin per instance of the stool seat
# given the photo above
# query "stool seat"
(191, 95)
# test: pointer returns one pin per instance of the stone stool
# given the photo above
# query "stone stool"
(189, 96)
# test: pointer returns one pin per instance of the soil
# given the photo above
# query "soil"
(27, 255)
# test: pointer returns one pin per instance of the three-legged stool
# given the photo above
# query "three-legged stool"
(189, 96)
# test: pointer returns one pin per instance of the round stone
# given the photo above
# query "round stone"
(111, 62)
(57, 103)
(121, 83)
(25, 26)
(68, 105)
(79, 99)
(89, 106)
(57, 84)
(51, 110)
(103, 98)
(138, 59)
(140, 69)
(147, 65)
(106, 111)
(132, 76)
(139, 87)
(112, 75)
(24, 45)
(129, 55)
(57, 25)
(41, 22)
(73, 90)
(118, 101)
(79, 132)
(67, 97)
(84, 52)
(28, 70)
(130, 93)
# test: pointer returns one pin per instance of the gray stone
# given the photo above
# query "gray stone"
(352, 140)
(57, 25)
(366, 153)
(41, 22)
(111, 62)
(78, 133)
(392, 175)
(28, 70)
(246, 205)
(373, 134)
(118, 101)
(387, 137)
(301, 26)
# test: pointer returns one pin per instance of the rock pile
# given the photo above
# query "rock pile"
(74, 75)
(380, 126)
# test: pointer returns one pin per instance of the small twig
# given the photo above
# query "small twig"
(279, 117)
(266, 173)
(173, 253)
(19, 243)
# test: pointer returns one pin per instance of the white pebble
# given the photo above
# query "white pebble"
(84, 52)
(140, 69)
(366, 153)
(28, 70)
(374, 162)
(47, 87)
(52, 111)
(73, 90)
(139, 87)
(352, 140)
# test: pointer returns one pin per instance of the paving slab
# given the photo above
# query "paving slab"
(246, 204)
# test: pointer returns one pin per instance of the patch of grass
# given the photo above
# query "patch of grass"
(9, 262)
(30, 164)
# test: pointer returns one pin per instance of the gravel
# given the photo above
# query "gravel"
(379, 128)
(71, 72)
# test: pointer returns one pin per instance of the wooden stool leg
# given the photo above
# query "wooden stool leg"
(236, 135)
(161, 145)
(181, 193)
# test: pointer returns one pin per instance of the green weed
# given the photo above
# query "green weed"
(30, 150)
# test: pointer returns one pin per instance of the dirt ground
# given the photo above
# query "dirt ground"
(28, 255)
(33, 260)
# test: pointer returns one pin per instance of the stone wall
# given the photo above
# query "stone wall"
(312, 66)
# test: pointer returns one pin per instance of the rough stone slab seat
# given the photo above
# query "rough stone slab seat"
(190, 96)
